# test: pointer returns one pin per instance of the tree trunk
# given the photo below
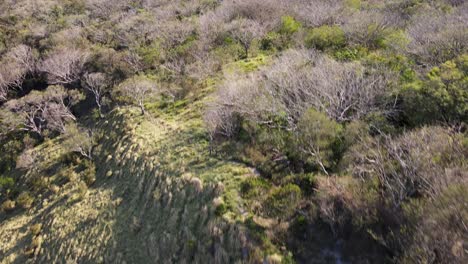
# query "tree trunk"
(142, 108)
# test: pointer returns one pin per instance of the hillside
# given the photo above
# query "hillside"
(246, 131)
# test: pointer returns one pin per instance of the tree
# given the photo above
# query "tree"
(437, 36)
(407, 166)
(245, 31)
(317, 13)
(14, 67)
(317, 136)
(296, 82)
(369, 27)
(300, 80)
(79, 140)
(64, 65)
(98, 85)
(441, 96)
(138, 89)
(41, 110)
(238, 97)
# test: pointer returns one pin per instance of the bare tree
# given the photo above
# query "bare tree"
(266, 13)
(318, 12)
(64, 65)
(245, 31)
(98, 85)
(238, 97)
(369, 26)
(437, 37)
(138, 89)
(40, 110)
(405, 166)
(296, 82)
(14, 67)
(300, 80)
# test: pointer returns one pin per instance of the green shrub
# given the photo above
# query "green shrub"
(88, 172)
(441, 96)
(35, 229)
(356, 4)
(350, 54)
(25, 200)
(289, 25)
(283, 201)
(307, 182)
(150, 54)
(325, 37)
(254, 187)
(271, 41)
(318, 139)
(395, 39)
(6, 183)
(8, 205)
(221, 209)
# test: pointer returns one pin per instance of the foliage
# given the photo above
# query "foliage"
(138, 89)
(325, 37)
(25, 200)
(317, 138)
(283, 201)
(441, 96)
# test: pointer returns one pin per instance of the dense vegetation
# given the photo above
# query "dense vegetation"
(305, 131)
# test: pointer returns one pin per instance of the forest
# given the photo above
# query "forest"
(233, 131)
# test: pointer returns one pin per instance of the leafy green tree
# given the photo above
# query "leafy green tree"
(317, 136)
(441, 96)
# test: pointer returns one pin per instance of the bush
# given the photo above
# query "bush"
(283, 201)
(221, 209)
(8, 205)
(35, 229)
(6, 183)
(307, 182)
(325, 37)
(441, 96)
(437, 230)
(289, 25)
(422, 163)
(317, 138)
(25, 200)
(254, 187)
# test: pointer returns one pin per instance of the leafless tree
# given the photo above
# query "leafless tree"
(64, 65)
(318, 12)
(405, 166)
(369, 26)
(437, 37)
(138, 89)
(266, 14)
(238, 96)
(134, 61)
(40, 110)
(300, 80)
(245, 31)
(14, 67)
(98, 85)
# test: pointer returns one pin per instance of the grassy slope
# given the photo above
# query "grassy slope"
(154, 199)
